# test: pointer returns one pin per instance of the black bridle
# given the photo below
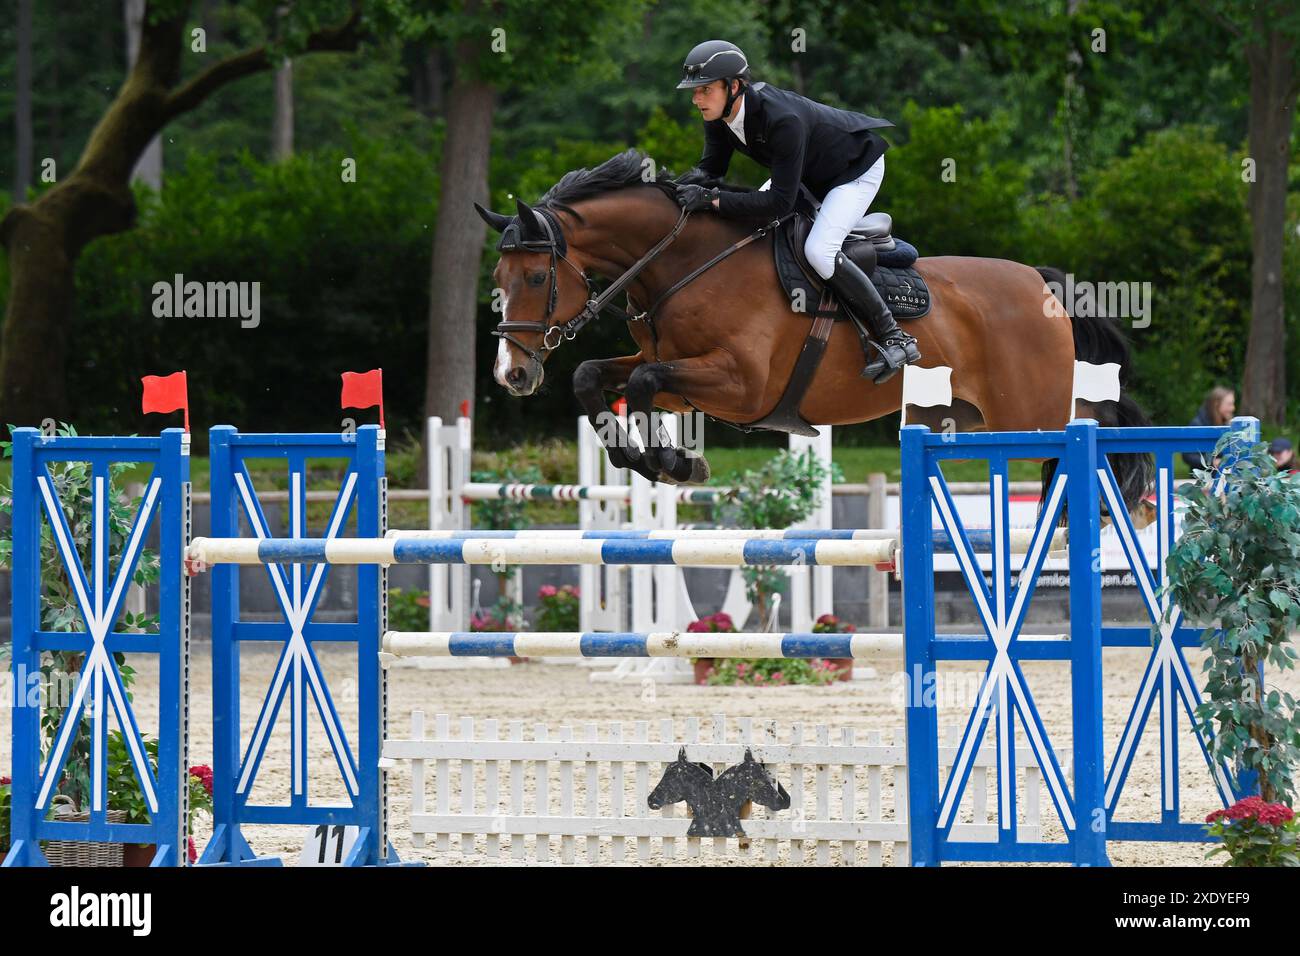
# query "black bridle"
(543, 234)
(550, 239)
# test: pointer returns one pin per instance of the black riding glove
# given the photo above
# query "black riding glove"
(695, 197)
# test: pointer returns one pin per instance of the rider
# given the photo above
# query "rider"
(835, 153)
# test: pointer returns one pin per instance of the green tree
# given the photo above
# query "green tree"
(45, 238)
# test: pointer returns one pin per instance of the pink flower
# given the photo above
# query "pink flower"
(547, 591)
(193, 854)
(571, 589)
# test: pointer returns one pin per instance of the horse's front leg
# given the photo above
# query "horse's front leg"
(652, 382)
(591, 380)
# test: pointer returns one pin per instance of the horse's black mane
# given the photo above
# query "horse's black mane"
(618, 172)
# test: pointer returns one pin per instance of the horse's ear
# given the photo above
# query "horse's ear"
(530, 224)
(493, 219)
(681, 754)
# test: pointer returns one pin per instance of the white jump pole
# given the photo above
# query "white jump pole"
(659, 598)
(603, 590)
(812, 589)
(449, 449)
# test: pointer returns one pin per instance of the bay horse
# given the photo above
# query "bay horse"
(725, 343)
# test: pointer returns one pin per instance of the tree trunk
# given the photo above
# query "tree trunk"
(458, 246)
(149, 169)
(282, 123)
(431, 85)
(52, 52)
(43, 239)
(1272, 99)
(23, 102)
(41, 291)
(211, 18)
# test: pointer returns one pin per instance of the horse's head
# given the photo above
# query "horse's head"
(751, 780)
(682, 780)
(542, 293)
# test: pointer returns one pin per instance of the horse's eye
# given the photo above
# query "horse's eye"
(536, 278)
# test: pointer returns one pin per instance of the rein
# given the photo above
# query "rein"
(649, 314)
(568, 330)
(555, 335)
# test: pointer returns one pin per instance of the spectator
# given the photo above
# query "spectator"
(1218, 408)
(1283, 454)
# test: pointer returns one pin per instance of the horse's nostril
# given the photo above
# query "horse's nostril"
(515, 376)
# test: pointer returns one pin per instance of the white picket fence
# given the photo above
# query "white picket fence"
(585, 789)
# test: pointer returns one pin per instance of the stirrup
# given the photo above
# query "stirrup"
(883, 368)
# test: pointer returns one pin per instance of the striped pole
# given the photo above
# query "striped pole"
(980, 538)
(711, 552)
(661, 644)
(492, 491)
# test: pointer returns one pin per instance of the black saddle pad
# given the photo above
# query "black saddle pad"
(902, 287)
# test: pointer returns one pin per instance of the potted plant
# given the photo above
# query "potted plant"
(124, 794)
(5, 789)
(502, 514)
(1237, 567)
(783, 492)
(719, 623)
(830, 624)
(408, 609)
(1255, 833)
(773, 672)
(557, 608)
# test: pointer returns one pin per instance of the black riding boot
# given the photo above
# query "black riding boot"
(859, 293)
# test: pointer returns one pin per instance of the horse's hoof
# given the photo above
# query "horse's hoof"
(682, 467)
(700, 471)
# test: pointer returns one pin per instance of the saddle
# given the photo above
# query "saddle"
(872, 247)
(888, 261)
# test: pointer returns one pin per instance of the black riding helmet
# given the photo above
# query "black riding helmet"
(715, 60)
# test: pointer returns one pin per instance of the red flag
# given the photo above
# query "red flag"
(364, 389)
(464, 409)
(166, 393)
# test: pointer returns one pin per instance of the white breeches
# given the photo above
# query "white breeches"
(840, 212)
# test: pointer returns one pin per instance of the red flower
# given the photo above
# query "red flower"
(204, 773)
(547, 591)
(5, 781)
(193, 854)
(1254, 807)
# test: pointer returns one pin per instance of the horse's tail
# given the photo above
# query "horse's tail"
(1099, 340)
